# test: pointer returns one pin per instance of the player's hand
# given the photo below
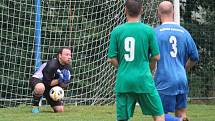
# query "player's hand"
(66, 76)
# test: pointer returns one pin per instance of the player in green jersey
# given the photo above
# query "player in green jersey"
(130, 46)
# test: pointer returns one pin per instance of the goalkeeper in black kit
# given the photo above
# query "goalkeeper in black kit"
(55, 72)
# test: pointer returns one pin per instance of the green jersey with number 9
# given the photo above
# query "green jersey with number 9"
(132, 43)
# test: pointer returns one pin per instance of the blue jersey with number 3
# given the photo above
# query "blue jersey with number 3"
(176, 47)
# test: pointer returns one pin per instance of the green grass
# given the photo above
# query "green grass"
(94, 113)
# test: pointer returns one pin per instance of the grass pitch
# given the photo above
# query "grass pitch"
(95, 113)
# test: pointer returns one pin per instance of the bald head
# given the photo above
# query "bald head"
(165, 8)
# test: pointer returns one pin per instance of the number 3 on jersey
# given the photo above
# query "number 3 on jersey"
(129, 47)
(173, 41)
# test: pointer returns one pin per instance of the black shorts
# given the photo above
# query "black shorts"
(32, 84)
(33, 81)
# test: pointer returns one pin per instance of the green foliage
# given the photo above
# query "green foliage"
(198, 17)
(205, 8)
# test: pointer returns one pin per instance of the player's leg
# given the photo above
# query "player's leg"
(57, 106)
(181, 106)
(125, 104)
(150, 104)
(38, 90)
(38, 93)
(168, 102)
(181, 112)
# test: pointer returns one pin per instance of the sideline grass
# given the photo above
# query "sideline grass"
(94, 113)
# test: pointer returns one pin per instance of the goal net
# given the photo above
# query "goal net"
(83, 25)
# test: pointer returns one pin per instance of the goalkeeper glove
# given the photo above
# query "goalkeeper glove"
(60, 78)
(66, 76)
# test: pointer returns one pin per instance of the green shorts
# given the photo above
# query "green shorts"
(150, 104)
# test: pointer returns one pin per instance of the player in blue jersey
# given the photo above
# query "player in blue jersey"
(178, 53)
(55, 72)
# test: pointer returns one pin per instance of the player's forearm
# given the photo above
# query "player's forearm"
(54, 82)
(153, 61)
(152, 65)
(190, 64)
(113, 61)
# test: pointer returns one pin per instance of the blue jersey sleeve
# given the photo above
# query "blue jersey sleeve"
(192, 49)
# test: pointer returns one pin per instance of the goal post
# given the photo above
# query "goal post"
(176, 4)
(37, 54)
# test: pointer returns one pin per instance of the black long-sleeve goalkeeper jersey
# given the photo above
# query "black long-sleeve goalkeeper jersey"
(48, 71)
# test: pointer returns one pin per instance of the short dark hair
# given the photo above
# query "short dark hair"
(61, 50)
(134, 7)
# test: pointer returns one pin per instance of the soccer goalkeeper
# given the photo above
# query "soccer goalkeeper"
(55, 72)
